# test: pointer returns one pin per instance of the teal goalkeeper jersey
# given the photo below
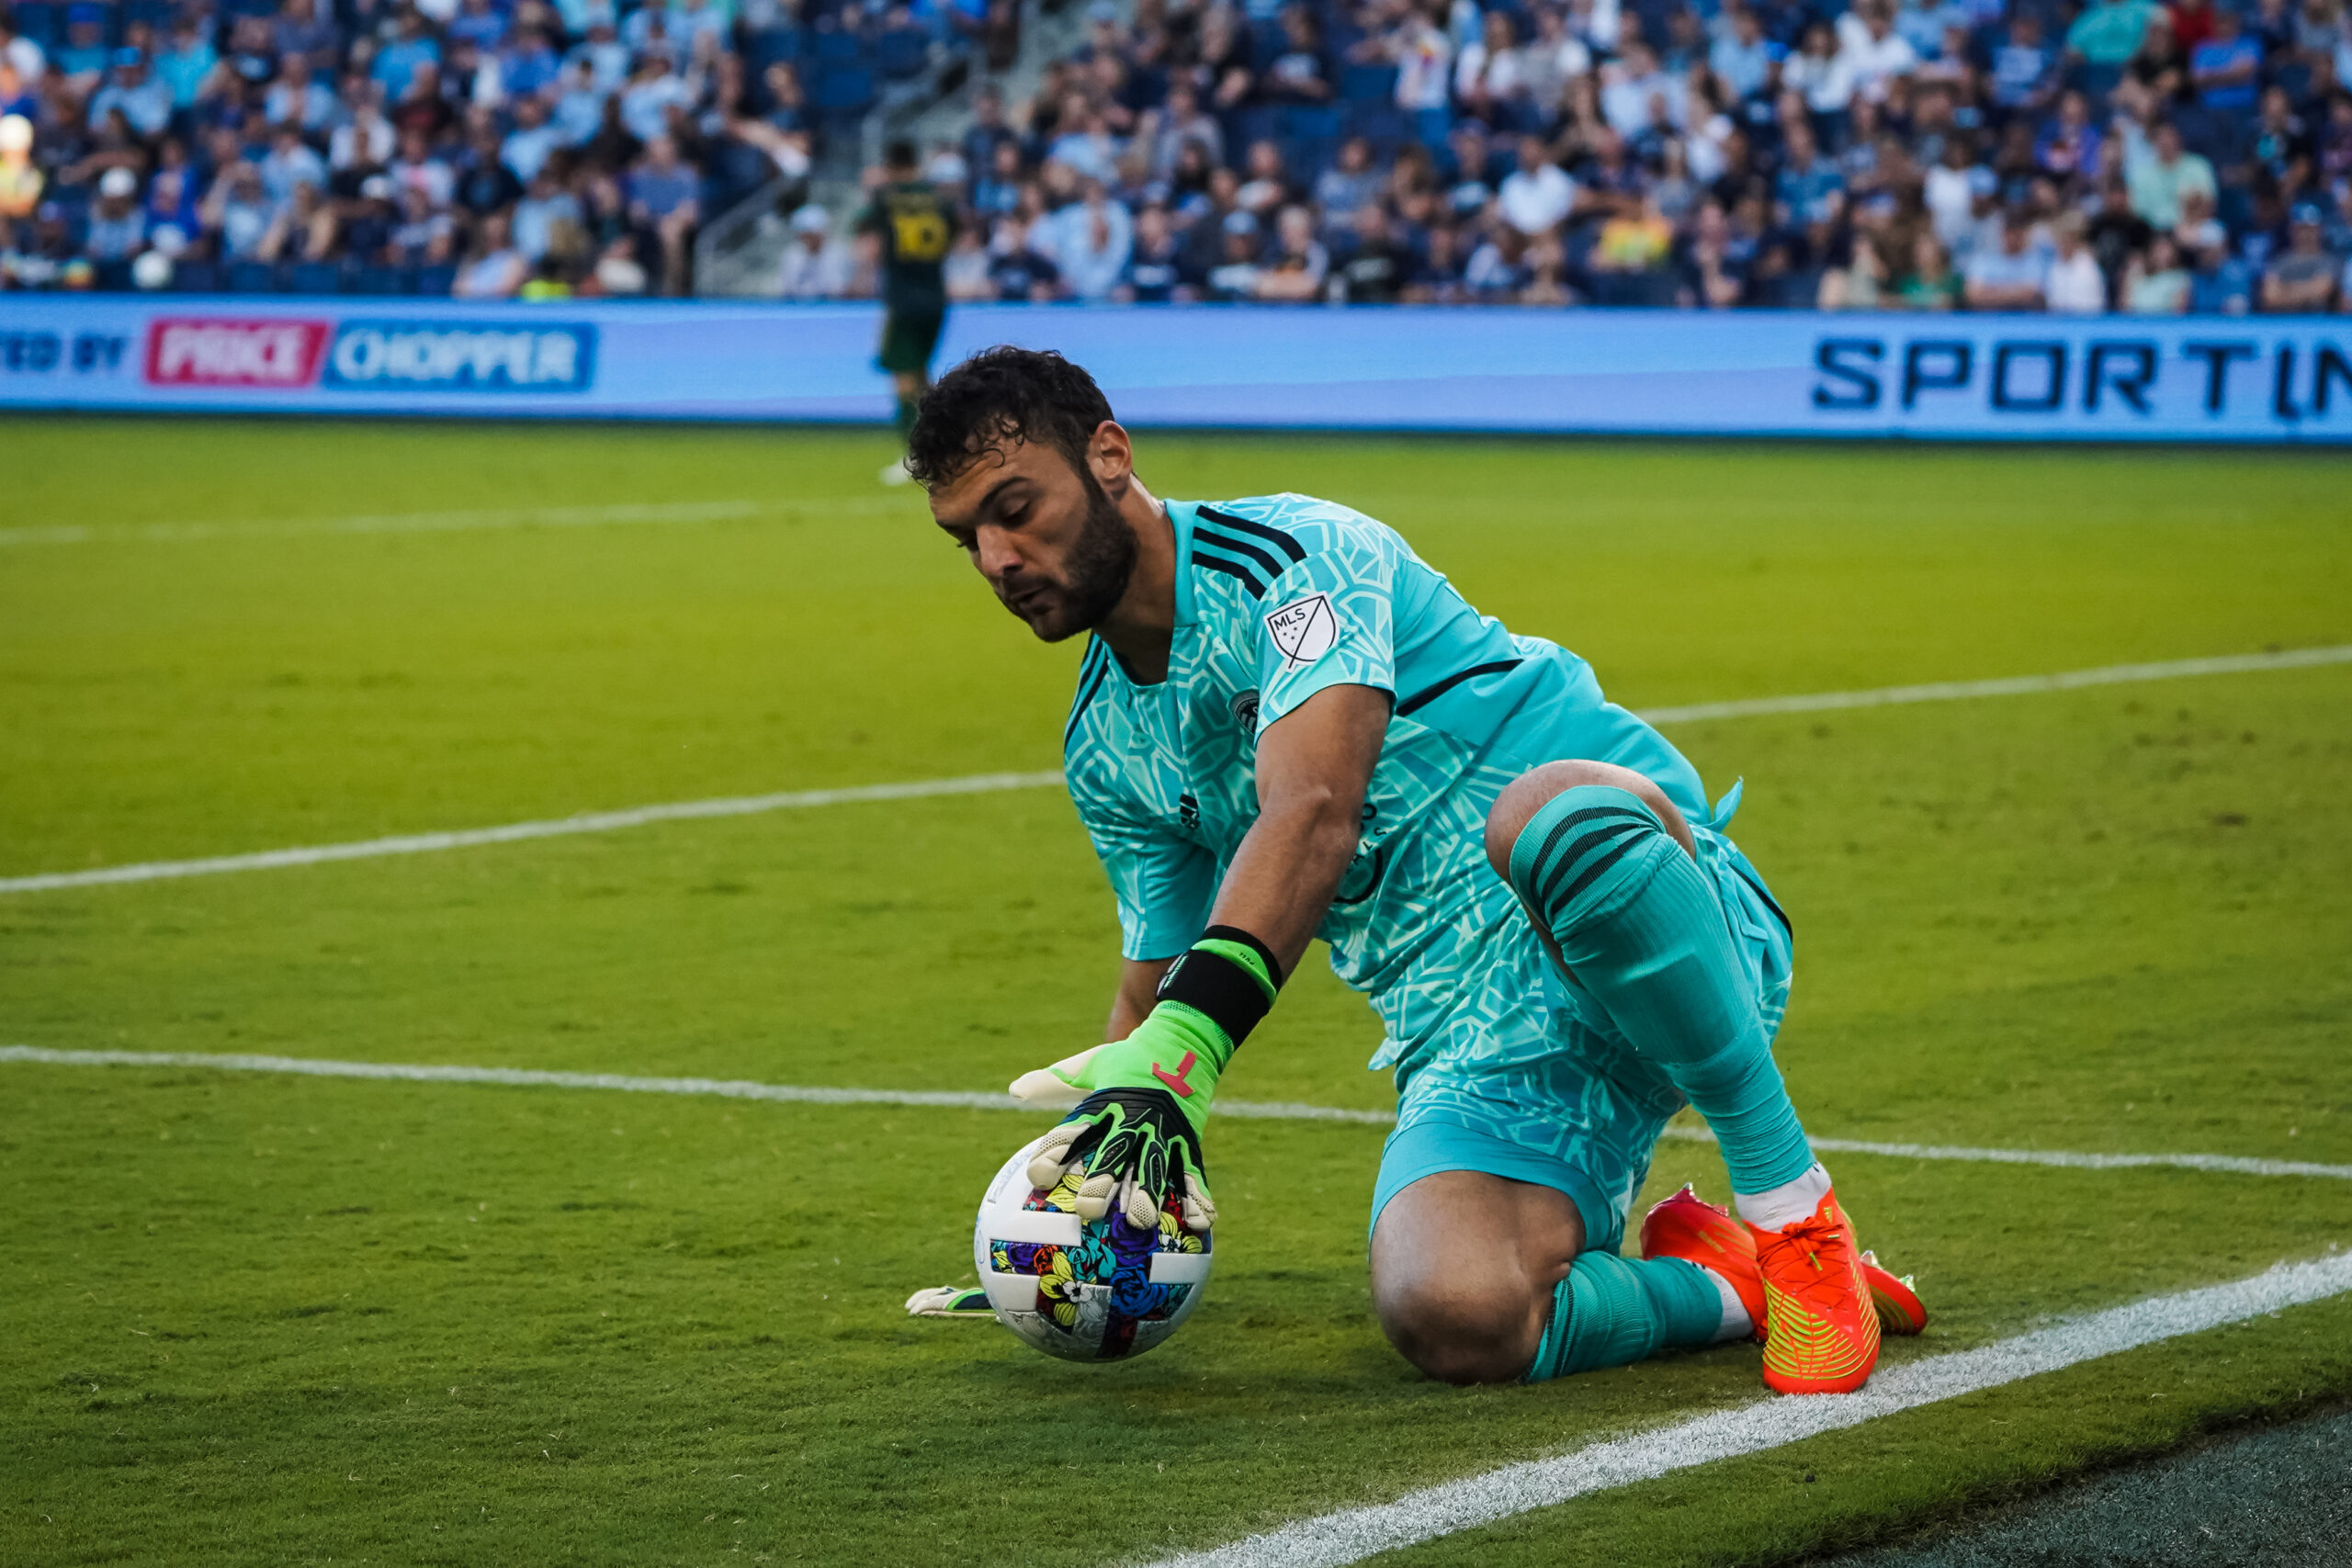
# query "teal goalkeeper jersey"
(1278, 597)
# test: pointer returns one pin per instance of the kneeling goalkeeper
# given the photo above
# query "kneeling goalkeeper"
(1287, 726)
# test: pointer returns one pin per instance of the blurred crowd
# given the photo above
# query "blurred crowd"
(488, 148)
(2068, 155)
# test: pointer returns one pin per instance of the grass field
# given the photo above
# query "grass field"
(270, 1319)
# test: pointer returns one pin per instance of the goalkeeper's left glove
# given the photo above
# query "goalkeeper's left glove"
(1139, 1104)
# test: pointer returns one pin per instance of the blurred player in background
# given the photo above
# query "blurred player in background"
(1287, 726)
(912, 226)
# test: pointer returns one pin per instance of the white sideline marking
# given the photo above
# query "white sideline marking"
(605, 821)
(587, 822)
(2007, 686)
(437, 522)
(1352, 1534)
(2235, 1164)
(1264, 1111)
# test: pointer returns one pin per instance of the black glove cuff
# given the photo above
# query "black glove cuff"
(1216, 986)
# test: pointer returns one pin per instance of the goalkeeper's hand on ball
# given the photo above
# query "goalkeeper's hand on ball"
(1138, 1106)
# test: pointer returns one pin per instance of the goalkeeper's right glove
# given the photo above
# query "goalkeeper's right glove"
(1137, 1133)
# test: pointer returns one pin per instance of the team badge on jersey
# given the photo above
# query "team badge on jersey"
(1303, 629)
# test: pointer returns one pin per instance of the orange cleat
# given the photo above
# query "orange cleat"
(1687, 1227)
(1900, 1310)
(1821, 1317)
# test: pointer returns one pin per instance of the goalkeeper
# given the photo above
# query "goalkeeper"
(1288, 727)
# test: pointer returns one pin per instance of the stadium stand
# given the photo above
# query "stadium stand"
(1988, 155)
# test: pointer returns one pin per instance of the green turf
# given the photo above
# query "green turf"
(238, 1307)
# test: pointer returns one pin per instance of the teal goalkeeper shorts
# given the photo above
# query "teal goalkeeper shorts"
(1585, 1118)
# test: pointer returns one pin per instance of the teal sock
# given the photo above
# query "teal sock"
(1612, 1312)
(1640, 929)
(906, 418)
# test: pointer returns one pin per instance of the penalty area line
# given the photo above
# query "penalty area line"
(1352, 1534)
(916, 789)
(1253, 1111)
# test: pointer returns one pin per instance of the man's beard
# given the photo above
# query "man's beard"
(1097, 570)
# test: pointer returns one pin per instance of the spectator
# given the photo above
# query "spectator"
(1018, 271)
(117, 229)
(532, 141)
(1637, 94)
(142, 100)
(1818, 73)
(1236, 275)
(422, 235)
(2303, 278)
(494, 269)
(1538, 195)
(304, 228)
(290, 162)
(1872, 53)
(2220, 284)
(965, 273)
(1931, 283)
(1809, 189)
(1298, 73)
(1375, 270)
(2077, 286)
(2164, 173)
(545, 220)
(304, 34)
(237, 212)
(1424, 54)
(2011, 276)
(298, 98)
(189, 64)
(2024, 66)
(364, 141)
(1092, 241)
(1350, 184)
(1637, 241)
(652, 95)
(2227, 66)
(1154, 275)
(411, 47)
(2108, 32)
(1741, 57)
(2069, 145)
(1295, 271)
(2156, 284)
(664, 201)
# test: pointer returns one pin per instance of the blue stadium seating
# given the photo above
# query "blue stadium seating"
(1368, 83)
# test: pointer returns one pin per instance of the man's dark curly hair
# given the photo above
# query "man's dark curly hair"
(1001, 396)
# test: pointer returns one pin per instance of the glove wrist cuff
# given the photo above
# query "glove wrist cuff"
(1227, 981)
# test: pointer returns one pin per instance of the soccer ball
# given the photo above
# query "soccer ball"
(1084, 1292)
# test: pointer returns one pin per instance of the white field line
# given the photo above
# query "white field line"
(437, 522)
(743, 805)
(1352, 1534)
(743, 1089)
(588, 822)
(2007, 686)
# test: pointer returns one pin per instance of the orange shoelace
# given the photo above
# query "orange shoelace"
(1812, 1261)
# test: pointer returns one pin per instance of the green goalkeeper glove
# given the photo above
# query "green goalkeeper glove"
(1138, 1105)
